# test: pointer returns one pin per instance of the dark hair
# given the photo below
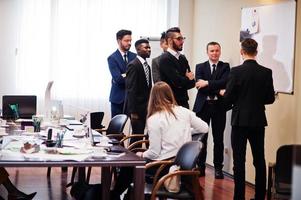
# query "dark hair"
(212, 43)
(138, 42)
(161, 99)
(171, 31)
(249, 46)
(163, 36)
(120, 34)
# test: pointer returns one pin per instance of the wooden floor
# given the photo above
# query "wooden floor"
(31, 180)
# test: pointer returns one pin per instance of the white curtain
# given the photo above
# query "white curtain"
(68, 41)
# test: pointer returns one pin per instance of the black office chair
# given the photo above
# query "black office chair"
(115, 127)
(96, 120)
(186, 159)
(280, 172)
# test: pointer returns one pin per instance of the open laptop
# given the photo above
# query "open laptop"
(26, 104)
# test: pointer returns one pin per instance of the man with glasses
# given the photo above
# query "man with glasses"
(174, 67)
(118, 64)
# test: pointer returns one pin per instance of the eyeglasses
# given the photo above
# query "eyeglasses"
(180, 38)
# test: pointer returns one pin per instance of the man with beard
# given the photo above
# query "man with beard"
(174, 67)
(118, 65)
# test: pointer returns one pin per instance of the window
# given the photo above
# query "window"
(68, 41)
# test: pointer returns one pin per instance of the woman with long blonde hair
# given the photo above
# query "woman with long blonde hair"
(169, 127)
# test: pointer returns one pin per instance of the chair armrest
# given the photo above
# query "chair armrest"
(157, 185)
(159, 162)
(117, 136)
(133, 136)
(100, 130)
(132, 146)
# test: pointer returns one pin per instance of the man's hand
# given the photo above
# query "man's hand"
(201, 84)
(222, 92)
(190, 75)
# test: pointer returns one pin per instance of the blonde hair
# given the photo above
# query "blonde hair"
(161, 99)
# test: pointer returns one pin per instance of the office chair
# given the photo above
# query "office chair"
(186, 159)
(115, 127)
(280, 172)
(96, 120)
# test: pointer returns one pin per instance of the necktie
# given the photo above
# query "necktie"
(214, 68)
(212, 96)
(146, 70)
(125, 58)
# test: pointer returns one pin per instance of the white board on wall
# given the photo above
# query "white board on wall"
(273, 27)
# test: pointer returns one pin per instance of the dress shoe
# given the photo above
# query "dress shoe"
(202, 172)
(219, 174)
(21, 196)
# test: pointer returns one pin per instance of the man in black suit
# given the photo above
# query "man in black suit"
(174, 67)
(155, 61)
(249, 89)
(138, 86)
(211, 77)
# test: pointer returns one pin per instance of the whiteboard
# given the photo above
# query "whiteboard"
(273, 27)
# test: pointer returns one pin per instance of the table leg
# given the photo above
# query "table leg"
(139, 182)
(105, 182)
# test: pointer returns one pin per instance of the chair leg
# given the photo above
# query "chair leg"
(88, 174)
(74, 170)
(48, 172)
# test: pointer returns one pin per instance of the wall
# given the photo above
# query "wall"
(217, 20)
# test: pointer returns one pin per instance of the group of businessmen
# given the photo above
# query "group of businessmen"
(246, 89)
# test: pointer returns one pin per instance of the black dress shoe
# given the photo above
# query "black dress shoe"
(21, 196)
(219, 174)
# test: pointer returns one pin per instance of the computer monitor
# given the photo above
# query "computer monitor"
(27, 106)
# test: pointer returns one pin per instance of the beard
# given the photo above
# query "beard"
(177, 47)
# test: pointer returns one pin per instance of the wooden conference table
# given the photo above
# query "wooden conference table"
(126, 159)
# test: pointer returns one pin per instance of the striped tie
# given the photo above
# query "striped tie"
(146, 70)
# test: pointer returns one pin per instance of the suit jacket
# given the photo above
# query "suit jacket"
(117, 67)
(137, 90)
(249, 88)
(172, 71)
(217, 81)
(155, 69)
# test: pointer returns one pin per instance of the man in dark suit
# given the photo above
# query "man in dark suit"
(117, 64)
(249, 89)
(211, 77)
(155, 61)
(174, 67)
(138, 86)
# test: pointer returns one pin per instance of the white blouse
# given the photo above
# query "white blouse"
(167, 133)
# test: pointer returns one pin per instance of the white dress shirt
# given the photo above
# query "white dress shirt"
(167, 133)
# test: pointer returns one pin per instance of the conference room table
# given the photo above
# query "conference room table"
(117, 156)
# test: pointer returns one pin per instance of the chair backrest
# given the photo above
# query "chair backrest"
(188, 154)
(96, 120)
(117, 124)
(284, 163)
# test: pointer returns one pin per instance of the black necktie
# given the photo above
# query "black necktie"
(125, 58)
(214, 68)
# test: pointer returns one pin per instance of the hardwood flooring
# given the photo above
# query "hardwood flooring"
(35, 179)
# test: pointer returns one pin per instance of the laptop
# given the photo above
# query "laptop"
(19, 106)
